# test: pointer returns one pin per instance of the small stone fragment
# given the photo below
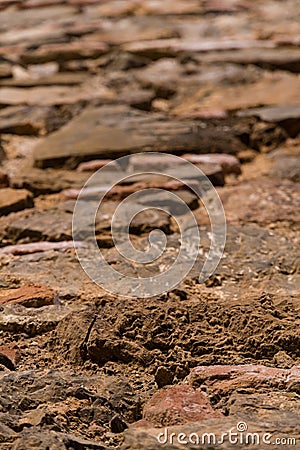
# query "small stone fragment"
(9, 356)
(229, 163)
(35, 247)
(117, 424)
(93, 166)
(178, 405)
(12, 200)
(163, 376)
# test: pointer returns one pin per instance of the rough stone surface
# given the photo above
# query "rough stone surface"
(83, 82)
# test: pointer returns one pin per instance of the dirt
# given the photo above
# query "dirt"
(83, 82)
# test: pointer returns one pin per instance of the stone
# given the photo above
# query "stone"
(7, 434)
(282, 58)
(42, 32)
(117, 425)
(172, 205)
(32, 321)
(163, 76)
(149, 220)
(5, 70)
(115, 131)
(50, 439)
(256, 205)
(138, 98)
(172, 47)
(144, 163)
(287, 116)
(229, 163)
(9, 356)
(85, 376)
(76, 350)
(37, 77)
(247, 156)
(221, 6)
(29, 296)
(286, 167)
(94, 165)
(27, 120)
(131, 29)
(37, 247)
(273, 88)
(207, 434)
(52, 95)
(224, 379)
(163, 376)
(178, 405)
(33, 418)
(98, 398)
(47, 181)
(4, 180)
(255, 408)
(58, 269)
(64, 52)
(50, 225)
(12, 200)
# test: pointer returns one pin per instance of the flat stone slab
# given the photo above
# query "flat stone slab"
(273, 113)
(64, 52)
(113, 131)
(31, 78)
(280, 58)
(229, 163)
(47, 181)
(222, 379)
(38, 247)
(32, 321)
(52, 95)
(29, 296)
(12, 200)
(273, 89)
(173, 47)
